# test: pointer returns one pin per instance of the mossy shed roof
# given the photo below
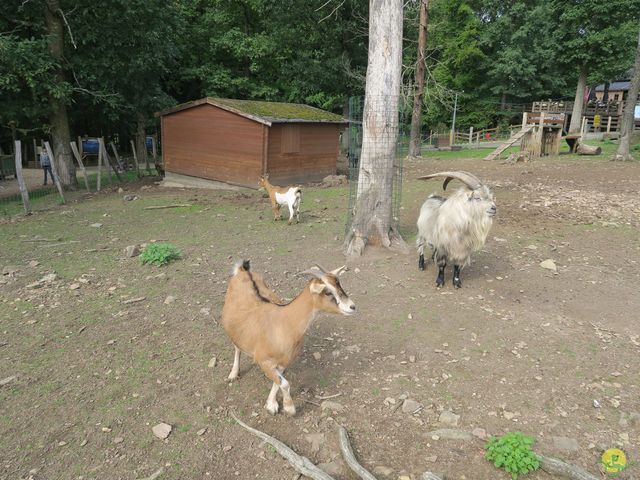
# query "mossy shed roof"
(267, 113)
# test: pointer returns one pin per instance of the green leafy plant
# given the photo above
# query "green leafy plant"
(513, 453)
(160, 254)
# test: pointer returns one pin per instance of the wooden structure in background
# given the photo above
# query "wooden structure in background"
(540, 135)
(610, 113)
(544, 135)
(237, 141)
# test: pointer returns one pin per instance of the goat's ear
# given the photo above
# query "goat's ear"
(316, 288)
(470, 195)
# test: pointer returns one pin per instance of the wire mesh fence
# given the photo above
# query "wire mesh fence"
(42, 197)
(379, 149)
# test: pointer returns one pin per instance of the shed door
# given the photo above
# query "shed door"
(291, 139)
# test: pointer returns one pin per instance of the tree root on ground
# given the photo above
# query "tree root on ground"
(304, 466)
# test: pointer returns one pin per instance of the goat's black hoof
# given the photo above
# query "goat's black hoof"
(457, 283)
(440, 282)
(421, 262)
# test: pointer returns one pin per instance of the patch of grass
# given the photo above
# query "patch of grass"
(184, 428)
(160, 254)
(512, 452)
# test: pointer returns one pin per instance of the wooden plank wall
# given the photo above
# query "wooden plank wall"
(316, 155)
(211, 143)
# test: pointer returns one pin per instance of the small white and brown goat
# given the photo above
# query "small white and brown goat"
(289, 196)
(261, 325)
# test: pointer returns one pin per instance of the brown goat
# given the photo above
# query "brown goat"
(271, 332)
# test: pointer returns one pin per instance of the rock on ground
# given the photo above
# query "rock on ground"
(333, 406)
(334, 180)
(382, 470)
(132, 251)
(316, 440)
(450, 434)
(335, 468)
(410, 406)
(449, 418)
(565, 444)
(549, 265)
(162, 430)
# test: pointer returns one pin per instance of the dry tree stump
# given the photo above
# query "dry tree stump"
(584, 149)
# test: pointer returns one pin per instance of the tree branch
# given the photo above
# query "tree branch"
(350, 458)
(558, 467)
(301, 464)
(73, 42)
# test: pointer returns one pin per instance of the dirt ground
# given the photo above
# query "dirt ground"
(33, 178)
(518, 348)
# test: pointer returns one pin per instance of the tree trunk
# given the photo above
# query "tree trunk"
(576, 115)
(416, 117)
(141, 141)
(372, 213)
(628, 121)
(60, 135)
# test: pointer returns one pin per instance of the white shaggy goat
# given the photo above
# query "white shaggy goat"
(289, 196)
(262, 326)
(456, 226)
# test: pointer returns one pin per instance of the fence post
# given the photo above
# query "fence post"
(99, 166)
(76, 153)
(115, 152)
(470, 135)
(609, 124)
(105, 158)
(56, 179)
(135, 157)
(110, 164)
(23, 187)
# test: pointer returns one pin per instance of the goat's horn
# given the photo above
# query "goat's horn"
(338, 271)
(312, 272)
(467, 178)
(323, 270)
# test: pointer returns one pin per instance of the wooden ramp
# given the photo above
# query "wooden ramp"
(516, 137)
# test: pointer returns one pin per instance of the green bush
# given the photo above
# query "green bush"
(160, 254)
(513, 453)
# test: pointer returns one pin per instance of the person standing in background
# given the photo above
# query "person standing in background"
(45, 163)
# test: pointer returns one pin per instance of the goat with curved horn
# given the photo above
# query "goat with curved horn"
(456, 226)
(467, 178)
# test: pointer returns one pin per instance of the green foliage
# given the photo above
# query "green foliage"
(159, 254)
(513, 453)
(131, 57)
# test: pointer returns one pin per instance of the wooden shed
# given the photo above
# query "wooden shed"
(236, 141)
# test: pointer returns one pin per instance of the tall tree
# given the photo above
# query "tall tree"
(596, 38)
(418, 95)
(628, 122)
(60, 134)
(372, 219)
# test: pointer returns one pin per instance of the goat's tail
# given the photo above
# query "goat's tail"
(241, 265)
